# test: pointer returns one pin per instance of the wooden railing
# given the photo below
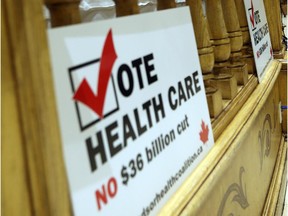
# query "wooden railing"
(33, 175)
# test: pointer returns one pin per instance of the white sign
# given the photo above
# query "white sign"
(132, 108)
(259, 34)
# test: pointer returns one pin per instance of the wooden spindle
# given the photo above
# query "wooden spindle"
(218, 29)
(206, 55)
(247, 52)
(63, 12)
(126, 7)
(226, 84)
(200, 23)
(166, 4)
(222, 80)
(232, 25)
(273, 14)
(240, 7)
(237, 67)
(240, 71)
(214, 100)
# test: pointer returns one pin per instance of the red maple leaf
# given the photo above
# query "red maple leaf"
(204, 132)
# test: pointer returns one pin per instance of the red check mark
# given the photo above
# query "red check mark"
(252, 16)
(84, 93)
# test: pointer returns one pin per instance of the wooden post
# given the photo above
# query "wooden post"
(126, 7)
(206, 55)
(222, 50)
(35, 124)
(200, 24)
(247, 52)
(214, 100)
(273, 14)
(243, 21)
(218, 29)
(165, 4)
(63, 12)
(232, 25)
(16, 196)
(226, 84)
(237, 67)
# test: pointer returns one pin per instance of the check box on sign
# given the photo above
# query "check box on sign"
(89, 73)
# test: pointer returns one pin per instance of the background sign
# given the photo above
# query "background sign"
(133, 114)
(259, 34)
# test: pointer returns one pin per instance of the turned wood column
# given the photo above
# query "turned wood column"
(273, 14)
(247, 48)
(218, 29)
(165, 4)
(232, 25)
(63, 12)
(126, 7)
(206, 55)
(237, 66)
(223, 79)
(200, 23)
(243, 21)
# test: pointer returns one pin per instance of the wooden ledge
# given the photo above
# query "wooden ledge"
(231, 107)
(275, 200)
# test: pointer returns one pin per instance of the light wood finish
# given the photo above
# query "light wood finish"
(238, 146)
(231, 108)
(277, 188)
(247, 56)
(35, 148)
(126, 7)
(232, 25)
(33, 88)
(276, 195)
(249, 60)
(283, 93)
(247, 48)
(243, 20)
(218, 29)
(240, 72)
(237, 66)
(201, 29)
(214, 100)
(63, 12)
(273, 14)
(283, 187)
(227, 84)
(224, 79)
(16, 199)
(165, 4)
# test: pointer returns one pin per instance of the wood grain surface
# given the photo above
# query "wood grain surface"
(30, 73)
(16, 199)
(126, 7)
